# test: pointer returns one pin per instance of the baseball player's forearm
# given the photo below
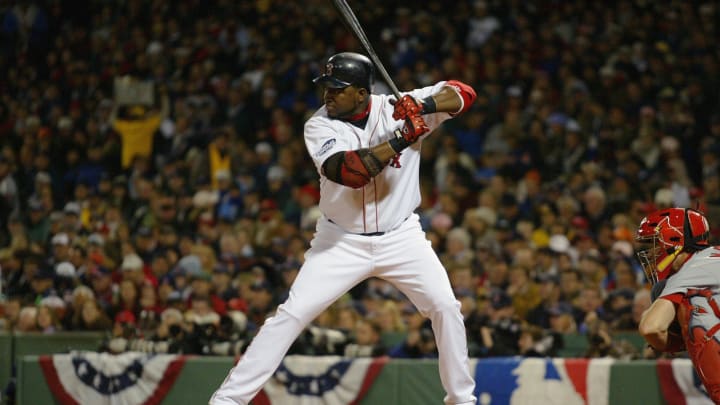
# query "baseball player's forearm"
(454, 98)
(655, 323)
(446, 100)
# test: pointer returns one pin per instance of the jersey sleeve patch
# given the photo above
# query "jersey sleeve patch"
(325, 148)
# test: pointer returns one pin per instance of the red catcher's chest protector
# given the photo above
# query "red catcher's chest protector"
(699, 318)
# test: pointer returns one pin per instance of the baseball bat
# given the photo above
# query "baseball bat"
(349, 17)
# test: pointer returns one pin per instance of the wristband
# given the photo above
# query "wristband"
(428, 105)
(398, 144)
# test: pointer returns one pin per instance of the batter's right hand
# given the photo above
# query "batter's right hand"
(406, 107)
(414, 128)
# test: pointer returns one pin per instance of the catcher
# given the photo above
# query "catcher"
(685, 272)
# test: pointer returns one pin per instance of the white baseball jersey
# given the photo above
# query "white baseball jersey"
(391, 196)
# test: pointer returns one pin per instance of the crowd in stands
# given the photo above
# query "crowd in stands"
(178, 226)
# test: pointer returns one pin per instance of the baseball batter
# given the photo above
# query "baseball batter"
(685, 271)
(369, 187)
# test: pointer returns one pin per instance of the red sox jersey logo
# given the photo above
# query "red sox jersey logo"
(395, 162)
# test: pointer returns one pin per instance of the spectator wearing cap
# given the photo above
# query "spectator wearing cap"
(92, 168)
(495, 274)
(133, 269)
(120, 196)
(269, 223)
(167, 237)
(146, 245)
(100, 278)
(306, 199)
(208, 229)
(618, 309)
(278, 183)
(37, 223)
(419, 343)
(570, 285)
(549, 295)
(261, 303)
(72, 222)
(221, 282)
(95, 245)
(561, 318)
(160, 265)
(43, 282)
(183, 270)
(265, 155)
(574, 150)
(164, 210)
(66, 278)
(9, 193)
(480, 222)
(201, 286)
(501, 334)
(60, 245)
(17, 271)
(230, 201)
(288, 272)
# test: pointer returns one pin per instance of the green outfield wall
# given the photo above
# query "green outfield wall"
(401, 382)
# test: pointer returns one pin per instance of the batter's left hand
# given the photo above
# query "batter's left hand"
(406, 107)
(414, 128)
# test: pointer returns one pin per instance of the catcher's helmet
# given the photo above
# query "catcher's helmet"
(667, 233)
(346, 69)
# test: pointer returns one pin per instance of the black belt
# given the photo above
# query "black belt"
(363, 234)
(372, 234)
(368, 233)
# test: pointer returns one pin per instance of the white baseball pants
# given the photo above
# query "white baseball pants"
(336, 262)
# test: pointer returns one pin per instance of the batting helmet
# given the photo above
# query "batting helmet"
(346, 69)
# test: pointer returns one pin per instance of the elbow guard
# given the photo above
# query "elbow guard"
(353, 172)
(467, 95)
(348, 169)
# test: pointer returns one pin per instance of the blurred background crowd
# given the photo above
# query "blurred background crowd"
(154, 182)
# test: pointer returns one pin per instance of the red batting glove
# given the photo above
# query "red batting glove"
(414, 128)
(405, 107)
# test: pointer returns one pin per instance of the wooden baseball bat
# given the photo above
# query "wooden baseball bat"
(349, 17)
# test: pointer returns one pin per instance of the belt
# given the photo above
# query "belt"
(372, 234)
(369, 233)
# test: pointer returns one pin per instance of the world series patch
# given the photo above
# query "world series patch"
(326, 147)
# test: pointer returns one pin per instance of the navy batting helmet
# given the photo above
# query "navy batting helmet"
(346, 69)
